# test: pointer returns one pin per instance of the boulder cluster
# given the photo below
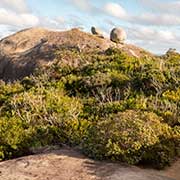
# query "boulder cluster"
(117, 35)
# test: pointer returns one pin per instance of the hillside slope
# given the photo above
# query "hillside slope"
(105, 101)
(28, 49)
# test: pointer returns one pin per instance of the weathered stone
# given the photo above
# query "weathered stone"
(97, 32)
(65, 163)
(118, 35)
(171, 50)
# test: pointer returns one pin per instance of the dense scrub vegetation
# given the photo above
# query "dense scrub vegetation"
(109, 104)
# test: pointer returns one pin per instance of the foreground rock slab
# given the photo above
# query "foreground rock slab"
(68, 164)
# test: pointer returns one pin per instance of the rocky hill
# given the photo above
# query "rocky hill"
(28, 49)
(112, 102)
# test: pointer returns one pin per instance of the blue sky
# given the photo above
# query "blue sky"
(151, 24)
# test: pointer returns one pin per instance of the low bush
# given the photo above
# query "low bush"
(13, 138)
(132, 137)
(110, 104)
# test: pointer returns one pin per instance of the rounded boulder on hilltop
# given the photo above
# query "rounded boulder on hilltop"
(118, 35)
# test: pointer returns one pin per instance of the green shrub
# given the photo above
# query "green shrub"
(131, 136)
(111, 104)
(13, 138)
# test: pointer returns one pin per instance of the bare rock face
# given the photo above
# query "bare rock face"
(68, 164)
(118, 35)
(29, 49)
(97, 32)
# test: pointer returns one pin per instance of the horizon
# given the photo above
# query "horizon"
(152, 25)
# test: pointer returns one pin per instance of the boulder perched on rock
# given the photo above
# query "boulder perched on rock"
(171, 50)
(97, 32)
(118, 35)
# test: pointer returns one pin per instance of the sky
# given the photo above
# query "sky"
(151, 24)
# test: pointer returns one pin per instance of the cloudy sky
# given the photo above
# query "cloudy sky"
(151, 24)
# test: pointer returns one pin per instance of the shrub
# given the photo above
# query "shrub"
(111, 104)
(13, 138)
(131, 136)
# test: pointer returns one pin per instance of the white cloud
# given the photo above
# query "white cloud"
(172, 6)
(84, 5)
(19, 6)
(166, 35)
(156, 19)
(115, 10)
(15, 14)
(8, 17)
(6, 30)
(52, 23)
(152, 38)
(148, 34)
(60, 20)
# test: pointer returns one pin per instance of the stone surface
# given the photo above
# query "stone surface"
(68, 164)
(118, 35)
(24, 51)
(97, 32)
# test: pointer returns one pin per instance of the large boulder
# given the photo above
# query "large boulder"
(118, 35)
(97, 32)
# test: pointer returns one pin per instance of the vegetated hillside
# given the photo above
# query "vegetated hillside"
(23, 52)
(110, 104)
